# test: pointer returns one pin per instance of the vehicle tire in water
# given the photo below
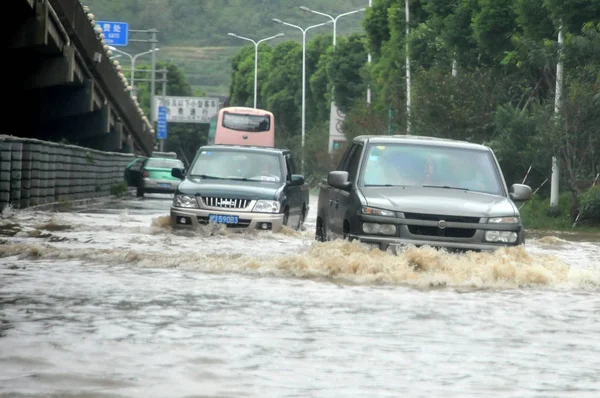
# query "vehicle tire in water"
(286, 217)
(347, 232)
(320, 234)
(140, 192)
(300, 225)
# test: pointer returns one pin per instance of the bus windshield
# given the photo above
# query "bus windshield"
(244, 126)
(245, 122)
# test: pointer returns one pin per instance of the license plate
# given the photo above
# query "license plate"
(221, 219)
(164, 185)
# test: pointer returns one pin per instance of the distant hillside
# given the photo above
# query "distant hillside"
(193, 33)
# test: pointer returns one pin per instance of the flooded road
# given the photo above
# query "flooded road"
(108, 301)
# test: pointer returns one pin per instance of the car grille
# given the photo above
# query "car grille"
(242, 223)
(448, 232)
(225, 203)
(435, 217)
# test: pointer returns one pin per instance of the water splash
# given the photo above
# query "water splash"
(353, 263)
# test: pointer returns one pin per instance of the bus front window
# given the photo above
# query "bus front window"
(243, 122)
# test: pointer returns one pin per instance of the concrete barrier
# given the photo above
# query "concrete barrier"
(34, 172)
(16, 164)
(5, 165)
(26, 174)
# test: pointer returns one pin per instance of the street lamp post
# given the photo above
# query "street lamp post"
(256, 43)
(333, 19)
(334, 111)
(279, 21)
(152, 40)
(132, 59)
(369, 62)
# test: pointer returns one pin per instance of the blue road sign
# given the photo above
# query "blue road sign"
(115, 33)
(161, 133)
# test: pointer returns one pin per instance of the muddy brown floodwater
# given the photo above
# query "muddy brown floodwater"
(108, 301)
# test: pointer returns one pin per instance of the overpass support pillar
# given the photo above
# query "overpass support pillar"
(113, 142)
(55, 71)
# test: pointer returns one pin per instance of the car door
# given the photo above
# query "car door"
(133, 172)
(294, 193)
(340, 198)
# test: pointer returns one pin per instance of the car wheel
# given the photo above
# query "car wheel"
(140, 192)
(286, 216)
(347, 232)
(320, 233)
(300, 225)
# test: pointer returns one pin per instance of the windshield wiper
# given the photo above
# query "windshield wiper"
(204, 176)
(446, 187)
(238, 179)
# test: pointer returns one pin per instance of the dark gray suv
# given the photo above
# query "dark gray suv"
(401, 190)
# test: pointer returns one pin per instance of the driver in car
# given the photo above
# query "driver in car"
(264, 171)
(404, 169)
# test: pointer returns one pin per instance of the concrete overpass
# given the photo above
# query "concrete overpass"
(62, 86)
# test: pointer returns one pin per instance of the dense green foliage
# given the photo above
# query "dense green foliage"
(590, 207)
(504, 53)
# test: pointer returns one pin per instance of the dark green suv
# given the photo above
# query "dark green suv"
(242, 187)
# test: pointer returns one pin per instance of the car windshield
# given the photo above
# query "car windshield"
(164, 164)
(432, 166)
(237, 165)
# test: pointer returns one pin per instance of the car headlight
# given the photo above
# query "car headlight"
(267, 206)
(504, 220)
(186, 201)
(501, 236)
(372, 211)
(374, 228)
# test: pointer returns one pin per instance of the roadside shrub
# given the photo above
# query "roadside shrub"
(118, 190)
(589, 206)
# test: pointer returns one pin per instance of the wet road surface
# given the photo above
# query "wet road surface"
(108, 301)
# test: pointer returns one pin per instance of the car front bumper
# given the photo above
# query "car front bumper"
(184, 218)
(385, 242)
(459, 237)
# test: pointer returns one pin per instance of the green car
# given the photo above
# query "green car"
(153, 175)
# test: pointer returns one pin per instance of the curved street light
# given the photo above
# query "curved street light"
(132, 58)
(256, 43)
(279, 21)
(333, 19)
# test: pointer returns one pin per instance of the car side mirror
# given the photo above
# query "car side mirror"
(297, 179)
(520, 192)
(178, 173)
(339, 179)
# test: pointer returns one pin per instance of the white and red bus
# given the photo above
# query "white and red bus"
(243, 126)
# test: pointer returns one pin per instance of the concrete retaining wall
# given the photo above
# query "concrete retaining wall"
(34, 172)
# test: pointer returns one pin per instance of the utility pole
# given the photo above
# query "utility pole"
(408, 107)
(554, 182)
(153, 41)
(369, 62)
